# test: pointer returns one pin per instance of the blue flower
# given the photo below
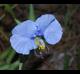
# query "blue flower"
(23, 35)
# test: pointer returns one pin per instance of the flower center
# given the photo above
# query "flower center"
(38, 33)
(40, 43)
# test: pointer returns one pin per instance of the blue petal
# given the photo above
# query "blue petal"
(22, 45)
(53, 33)
(43, 22)
(26, 28)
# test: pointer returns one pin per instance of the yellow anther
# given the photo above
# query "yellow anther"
(40, 43)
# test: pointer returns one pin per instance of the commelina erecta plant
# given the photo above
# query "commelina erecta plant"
(24, 35)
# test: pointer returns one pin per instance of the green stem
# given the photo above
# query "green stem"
(31, 12)
(20, 66)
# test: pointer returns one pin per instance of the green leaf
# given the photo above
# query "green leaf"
(12, 66)
(7, 56)
(8, 7)
(10, 55)
(4, 54)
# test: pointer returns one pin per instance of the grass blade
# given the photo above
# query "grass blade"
(66, 61)
(9, 66)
